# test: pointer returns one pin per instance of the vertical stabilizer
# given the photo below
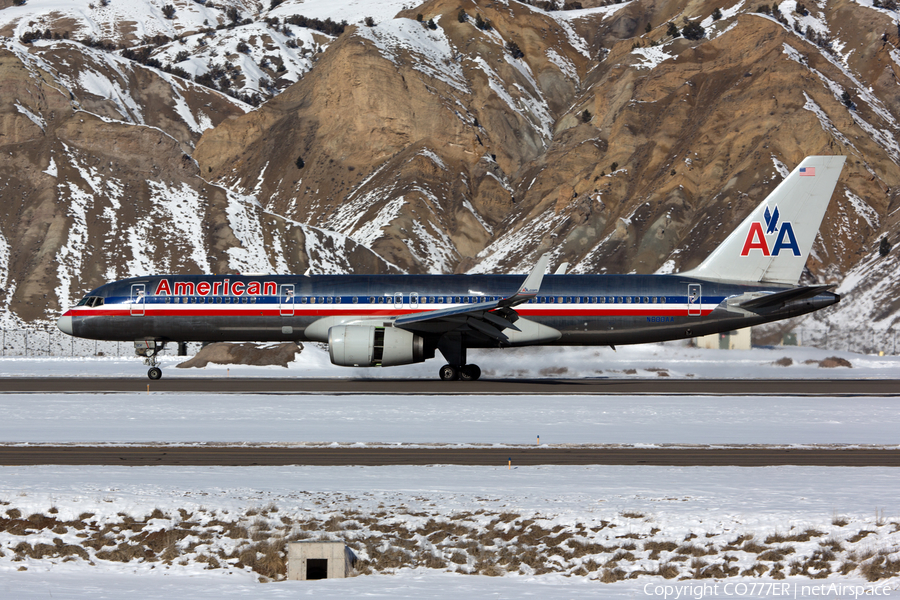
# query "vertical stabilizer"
(773, 243)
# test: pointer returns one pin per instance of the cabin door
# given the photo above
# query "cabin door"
(138, 296)
(286, 300)
(694, 300)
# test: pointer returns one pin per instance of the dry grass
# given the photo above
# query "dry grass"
(846, 567)
(691, 550)
(656, 547)
(859, 535)
(835, 361)
(776, 554)
(667, 571)
(735, 544)
(757, 570)
(880, 567)
(839, 521)
(803, 536)
(784, 361)
(481, 542)
(612, 575)
(548, 371)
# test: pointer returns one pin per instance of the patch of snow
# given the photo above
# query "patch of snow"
(4, 265)
(430, 49)
(564, 64)
(353, 11)
(727, 14)
(251, 256)
(825, 122)
(863, 209)
(468, 206)
(51, 169)
(36, 119)
(667, 268)
(373, 228)
(185, 210)
(433, 157)
(651, 57)
(780, 167)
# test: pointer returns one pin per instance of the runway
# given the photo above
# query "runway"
(589, 387)
(503, 457)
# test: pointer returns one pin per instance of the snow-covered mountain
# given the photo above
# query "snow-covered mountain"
(441, 137)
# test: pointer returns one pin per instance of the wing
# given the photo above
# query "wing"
(487, 318)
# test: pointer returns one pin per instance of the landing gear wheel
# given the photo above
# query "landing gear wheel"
(449, 373)
(154, 373)
(469, 372)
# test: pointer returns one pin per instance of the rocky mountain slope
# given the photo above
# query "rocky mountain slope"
(449, 136)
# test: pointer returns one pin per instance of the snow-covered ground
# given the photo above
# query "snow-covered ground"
(581, 524)
(616, 507)
(276, 419)
(644, 360)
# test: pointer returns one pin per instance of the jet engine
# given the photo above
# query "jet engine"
(366, 346)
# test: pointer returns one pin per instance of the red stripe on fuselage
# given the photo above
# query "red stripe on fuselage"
(376, 314)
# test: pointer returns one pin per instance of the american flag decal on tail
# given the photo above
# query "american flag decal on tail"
(807, 171)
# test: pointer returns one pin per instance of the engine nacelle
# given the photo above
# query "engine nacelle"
(366, 346)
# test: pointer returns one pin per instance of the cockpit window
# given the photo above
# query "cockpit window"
(91, 301)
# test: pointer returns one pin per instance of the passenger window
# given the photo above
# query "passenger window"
(355, 300)
(253, 300)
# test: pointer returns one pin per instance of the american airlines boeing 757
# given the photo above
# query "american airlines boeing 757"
(385, 320)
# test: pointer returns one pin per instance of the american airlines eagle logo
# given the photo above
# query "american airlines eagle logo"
(758, 238)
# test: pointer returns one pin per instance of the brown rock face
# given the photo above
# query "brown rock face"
(99, 185)
(484, 161)
(407, 148)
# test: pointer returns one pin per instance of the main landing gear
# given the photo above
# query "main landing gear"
(462, 372)
(149, 350)
(453, 347)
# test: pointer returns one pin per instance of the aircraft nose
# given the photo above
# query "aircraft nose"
(65, 324)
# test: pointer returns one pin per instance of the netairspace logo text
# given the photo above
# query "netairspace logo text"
(764, 590)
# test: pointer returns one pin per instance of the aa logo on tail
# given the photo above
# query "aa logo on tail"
(757, 239)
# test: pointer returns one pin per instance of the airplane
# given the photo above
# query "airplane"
(751, 278)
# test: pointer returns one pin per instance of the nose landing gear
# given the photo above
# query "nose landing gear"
(149, 350)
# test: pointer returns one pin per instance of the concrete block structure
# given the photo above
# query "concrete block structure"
(319, 560)
(731, 340)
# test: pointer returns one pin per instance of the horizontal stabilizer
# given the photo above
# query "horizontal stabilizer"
(779, 298)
